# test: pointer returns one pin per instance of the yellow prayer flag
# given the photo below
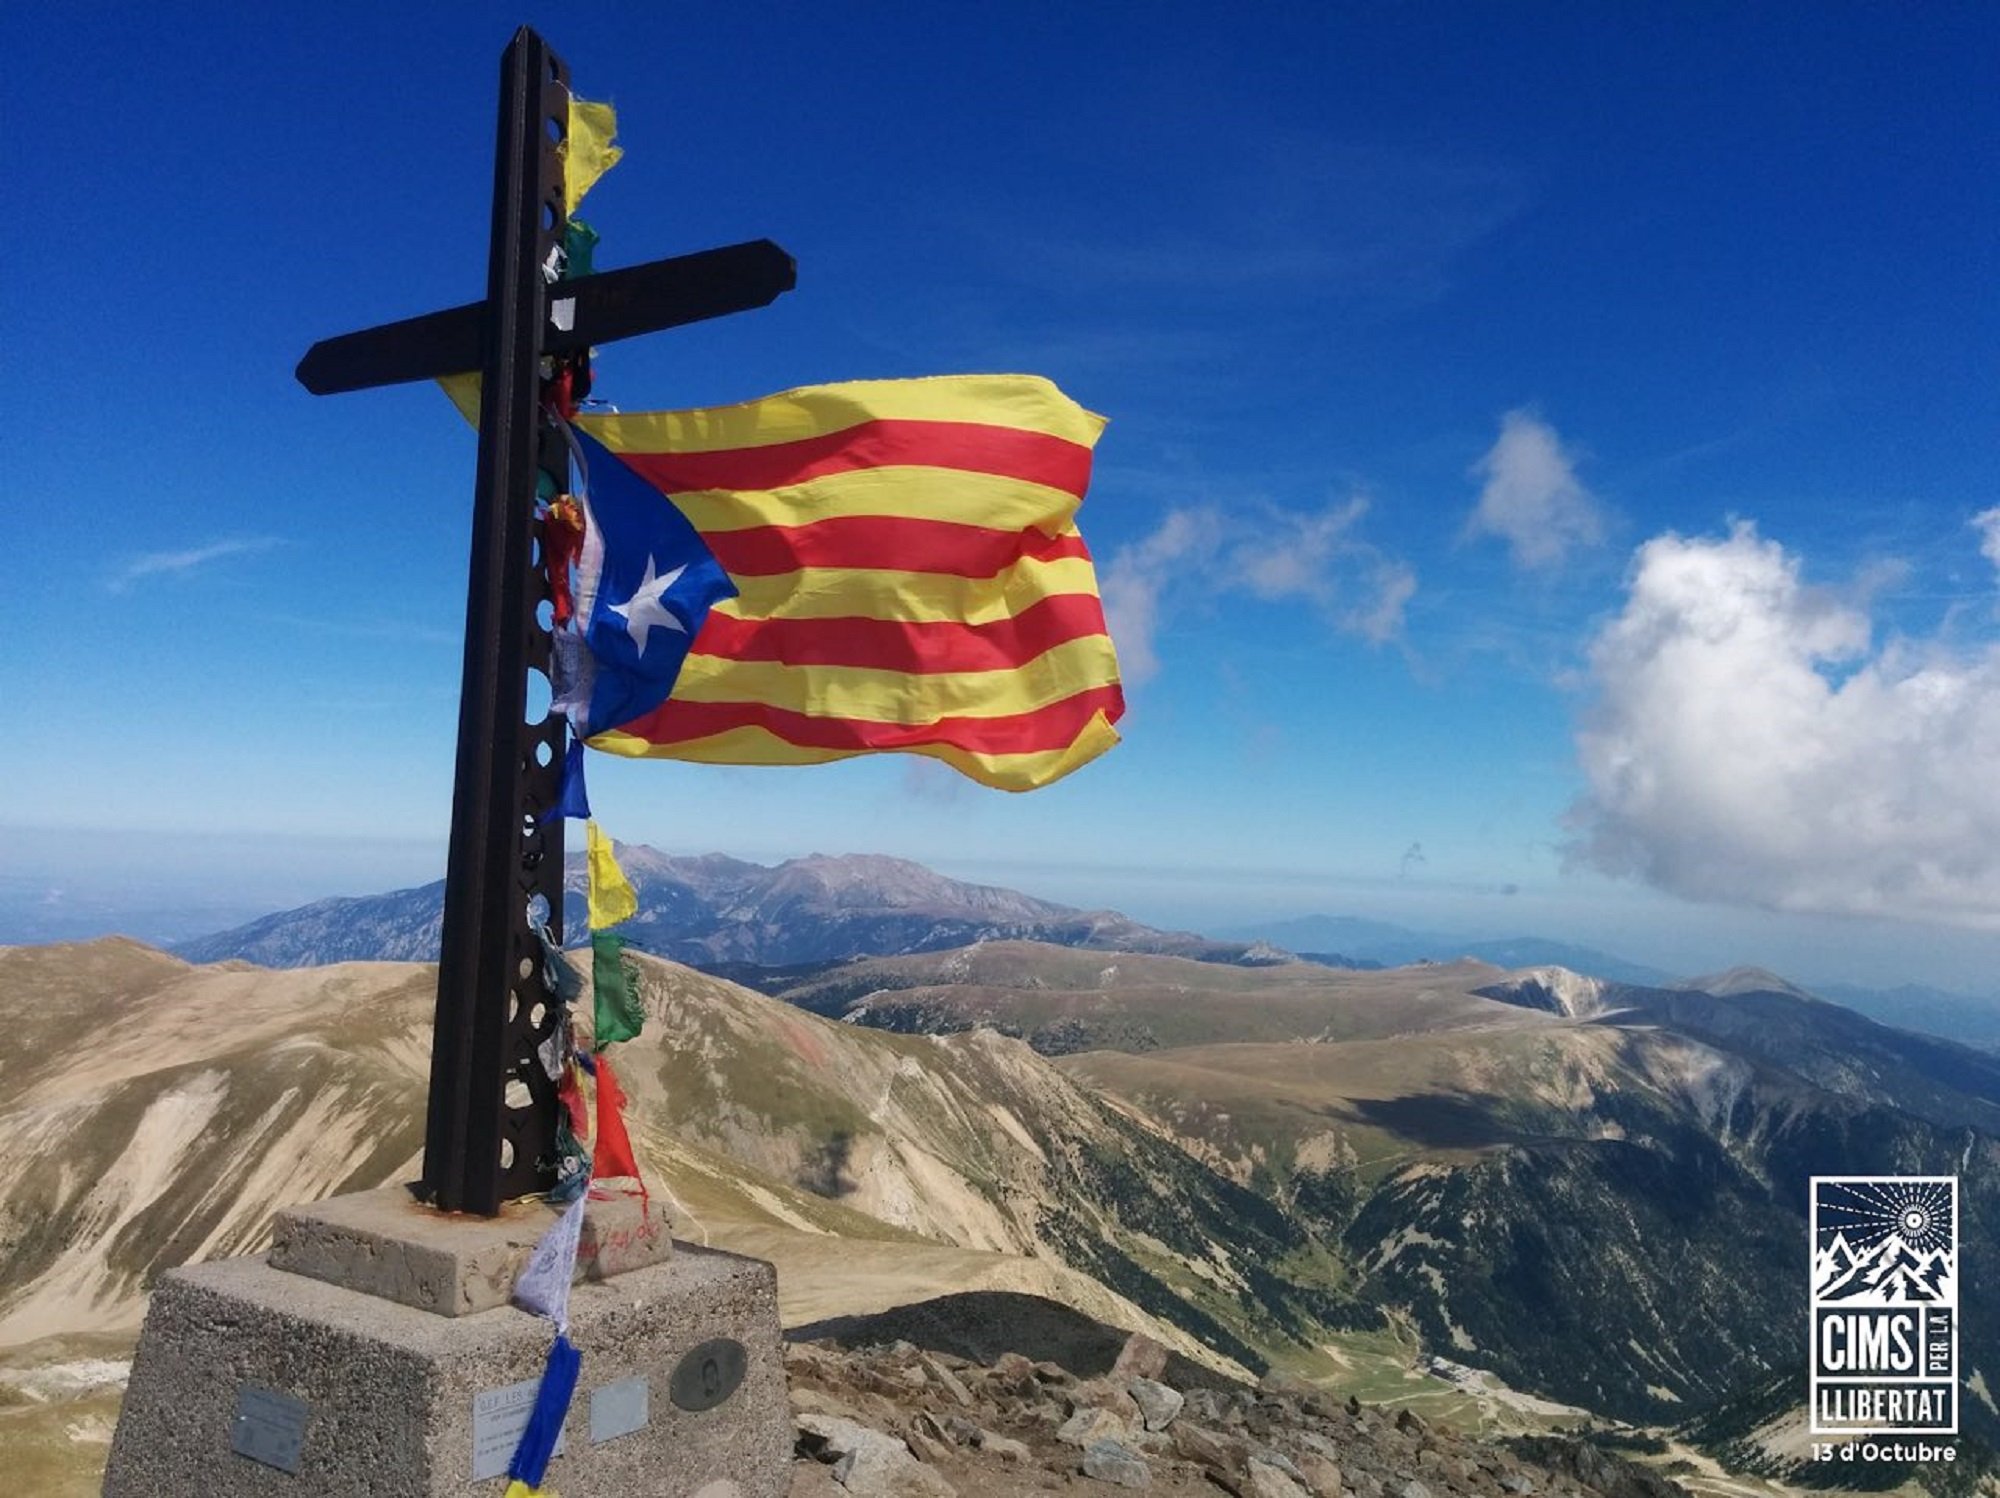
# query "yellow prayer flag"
(612, 898)
(587, 149)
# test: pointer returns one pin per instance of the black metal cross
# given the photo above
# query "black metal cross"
(490, 1129)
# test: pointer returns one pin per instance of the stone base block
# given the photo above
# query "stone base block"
(250, 1382)
(388, 1244)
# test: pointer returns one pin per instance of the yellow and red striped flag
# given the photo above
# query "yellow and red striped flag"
(909, 577)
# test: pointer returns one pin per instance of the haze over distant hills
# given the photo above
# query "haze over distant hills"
(1391, 945)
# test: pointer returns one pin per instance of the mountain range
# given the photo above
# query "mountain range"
(721, 913)
(1589, 1194)
(774, 926)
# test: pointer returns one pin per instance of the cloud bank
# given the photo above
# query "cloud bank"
(1749, 740)
(1274, 555)
(1530, 497)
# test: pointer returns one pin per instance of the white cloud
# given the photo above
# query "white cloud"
(1987, 523)
(1531, 498)
(1750, 741)
(158, 563)
(1268, 553)
(1136, 577)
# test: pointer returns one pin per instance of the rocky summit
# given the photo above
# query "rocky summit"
(896, 1420)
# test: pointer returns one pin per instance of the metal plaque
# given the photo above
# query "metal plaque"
(709, 1374)
(269, 1427)
(620, 1408)
(498, 1418)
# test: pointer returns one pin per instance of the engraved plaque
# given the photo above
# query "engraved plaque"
(498, 1418)
(269, 1427)
(619, 1408)
(709, 1374)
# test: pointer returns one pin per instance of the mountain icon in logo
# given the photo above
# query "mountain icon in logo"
(1889, 1273)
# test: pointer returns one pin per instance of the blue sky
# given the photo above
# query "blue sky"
(1543, 489)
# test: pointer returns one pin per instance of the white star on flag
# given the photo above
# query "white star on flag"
(643, 612)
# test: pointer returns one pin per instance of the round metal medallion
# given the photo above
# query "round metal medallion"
(709, 1374)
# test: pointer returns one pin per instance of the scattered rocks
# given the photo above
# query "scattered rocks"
(1015, 1426)
(867, 1462)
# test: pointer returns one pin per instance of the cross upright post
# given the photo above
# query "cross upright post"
(490, 1126)
(478, 1149)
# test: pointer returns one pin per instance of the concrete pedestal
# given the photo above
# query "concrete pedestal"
(251, 1380)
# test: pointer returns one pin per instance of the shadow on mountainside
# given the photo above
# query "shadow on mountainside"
(1440, 1120)
(982, 1324)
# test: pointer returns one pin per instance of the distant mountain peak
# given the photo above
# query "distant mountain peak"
(1737, 981)
(1554, 989)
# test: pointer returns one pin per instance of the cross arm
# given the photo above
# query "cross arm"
(606, 306)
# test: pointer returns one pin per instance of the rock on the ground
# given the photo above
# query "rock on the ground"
(1158, 1404)
(873, 1472)
(1266, 1481)
(1090, 1424)
(1321, 1475)
(1113, 1461)
(1140, 1357)
(831, 1437)
(1005, 1447)
(1210, 1448)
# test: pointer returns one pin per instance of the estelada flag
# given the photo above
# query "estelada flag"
(909, 577)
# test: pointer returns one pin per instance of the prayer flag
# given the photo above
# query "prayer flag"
(613, 1156)
(543, 1287)
(587, 150)
(612, 898)
(907, 572)
(545, 1421)
(617, 1013)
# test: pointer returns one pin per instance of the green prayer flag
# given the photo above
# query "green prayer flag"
(579, 250)
(615, 990)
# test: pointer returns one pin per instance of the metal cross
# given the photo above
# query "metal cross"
(490, 1129)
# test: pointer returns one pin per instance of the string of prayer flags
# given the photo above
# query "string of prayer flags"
(587, 149)
(612, 898)
(545, 1421)
(618, 1013)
